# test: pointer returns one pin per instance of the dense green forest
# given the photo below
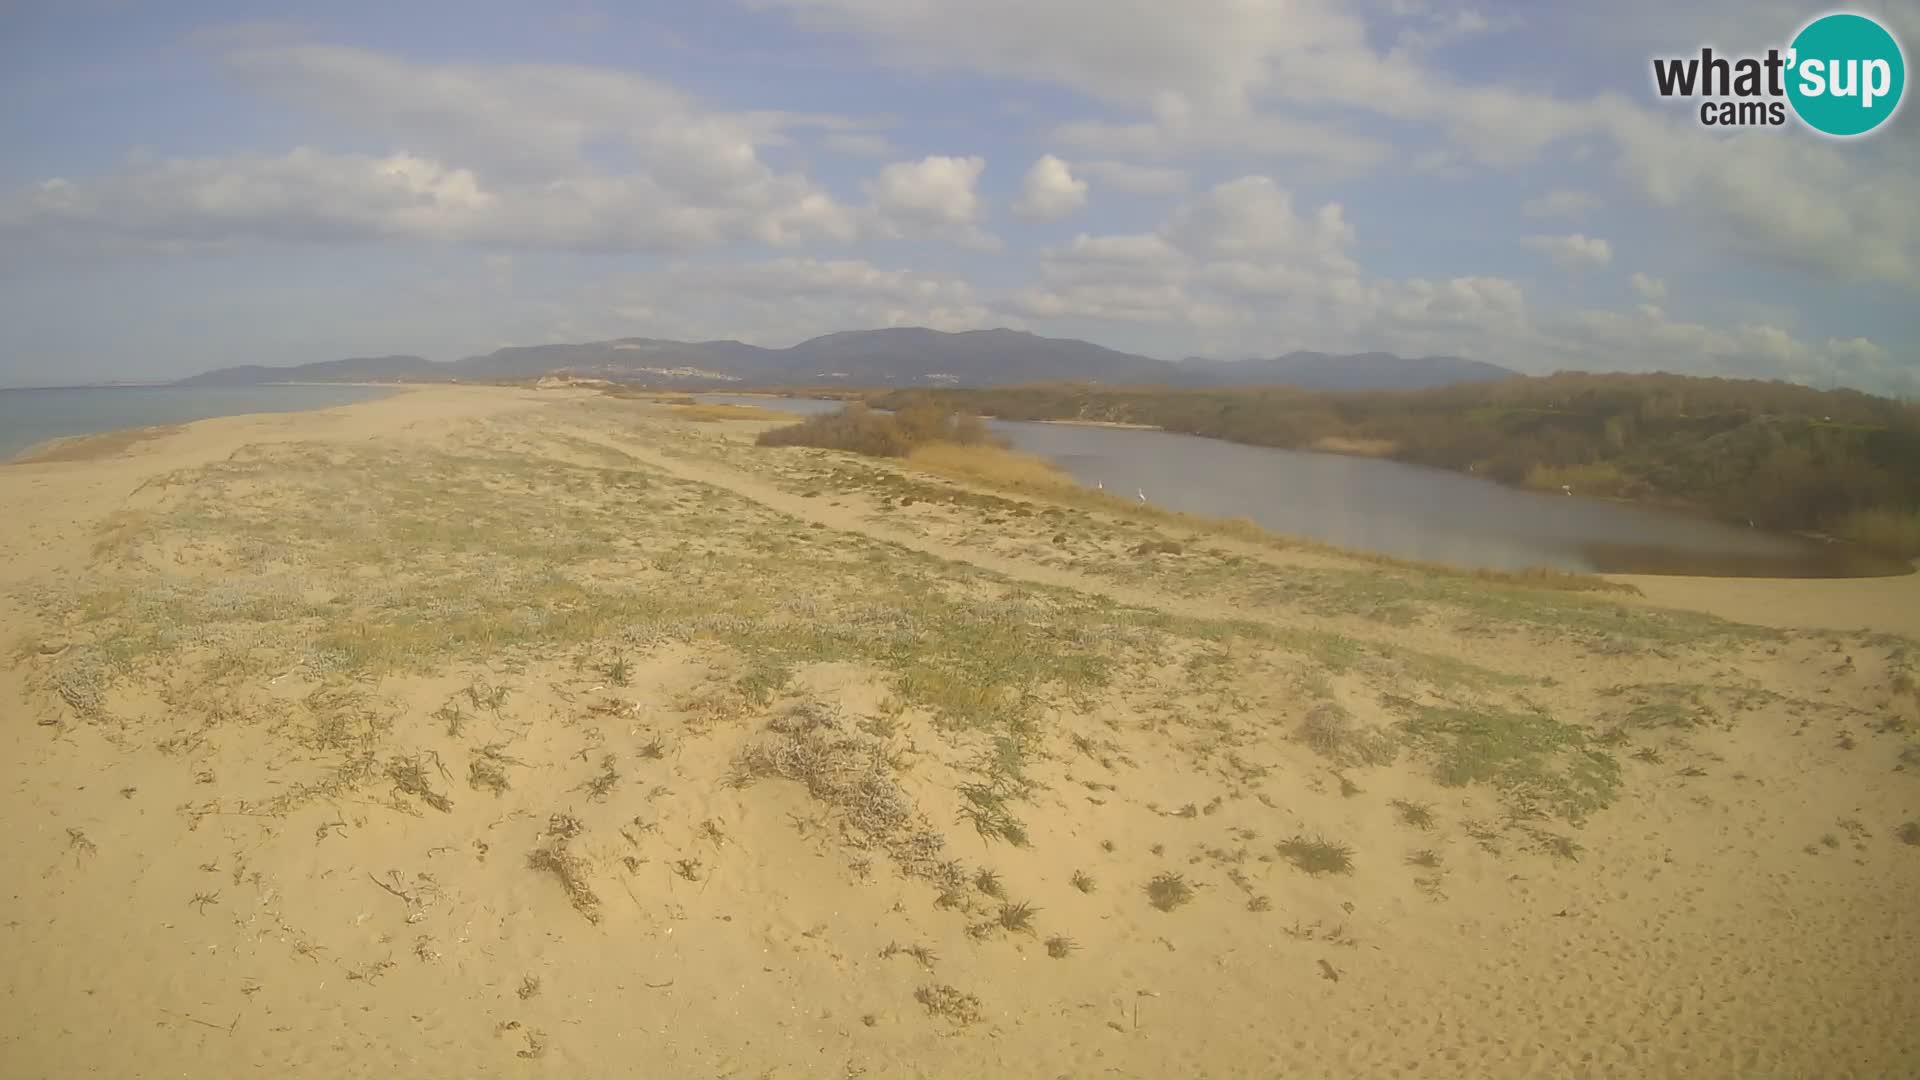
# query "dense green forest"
(1779, 455)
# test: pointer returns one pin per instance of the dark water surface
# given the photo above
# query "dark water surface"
(1407, 511)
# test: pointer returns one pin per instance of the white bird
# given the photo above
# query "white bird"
(1098, 486)
(1141, 494)
(1566, 488)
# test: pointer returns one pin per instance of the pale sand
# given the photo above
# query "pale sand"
(223, 865)
(1887, 604)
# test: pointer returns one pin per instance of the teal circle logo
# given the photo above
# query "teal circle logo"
(1845, 74)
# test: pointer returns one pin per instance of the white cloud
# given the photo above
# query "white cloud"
(1239, 268)
(1242, 78)
(1215, 52)
(1561, 202)
(524, 120)
(1648, 340)
(1116, 302)
(1117, 249)
(1050, 191)
(306, 196)
(934, 190)
(1647, 287)
(1136, 179)
(1575, 251)
(936, 196)
(536, 156)
(1254, 216)
(788, 277)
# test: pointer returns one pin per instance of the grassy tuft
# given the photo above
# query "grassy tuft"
(1416, 814)
(1329, 731)
(949, 1004)
(989, 883)
(1017, 918)
(1318, 856)
(1168, 891)
(1530, 758)
(556, 858)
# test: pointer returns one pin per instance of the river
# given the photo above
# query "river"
(1407, 511)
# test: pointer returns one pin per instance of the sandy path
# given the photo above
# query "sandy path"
(1889, 605)
(846, 519)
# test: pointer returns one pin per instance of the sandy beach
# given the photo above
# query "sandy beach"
(495, 732)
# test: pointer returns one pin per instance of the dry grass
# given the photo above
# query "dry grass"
(557, 858)
(409, 775)
(1337, 444)
(948, 1003)
(1168, 891)
(1318, 856)
(993, 465)
(703, 413)
(1419, 815)
(487, 769)
(1328, 730)
(851, 773)
(1017, 918)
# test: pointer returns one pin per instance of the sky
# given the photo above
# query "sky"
(192, 184)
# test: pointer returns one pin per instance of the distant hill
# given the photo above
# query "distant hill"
(358, 369)
(899, 356)
(1353, 371)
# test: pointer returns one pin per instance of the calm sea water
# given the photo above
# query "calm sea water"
(28, 417)
(1408, 511)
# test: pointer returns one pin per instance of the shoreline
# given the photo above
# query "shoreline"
(91, 445)
(78, 446)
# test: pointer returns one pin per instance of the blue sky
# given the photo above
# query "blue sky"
(189, 185)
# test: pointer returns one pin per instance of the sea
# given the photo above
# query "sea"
(31, 417)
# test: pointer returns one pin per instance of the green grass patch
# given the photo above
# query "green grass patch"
(1531, 759)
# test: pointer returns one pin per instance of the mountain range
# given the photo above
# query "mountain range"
(900, 356)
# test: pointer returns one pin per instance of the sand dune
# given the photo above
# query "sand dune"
(537, 733)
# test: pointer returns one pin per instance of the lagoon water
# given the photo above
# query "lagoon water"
(1407, 511)
(30, 417)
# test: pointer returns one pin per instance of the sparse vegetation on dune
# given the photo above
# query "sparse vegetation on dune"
(706, 413)
(676, 707)
(1168, 891)
(1317, 855)
(860, 429)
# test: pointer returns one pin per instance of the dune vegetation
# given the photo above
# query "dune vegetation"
(514, 730)
(862, 430)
